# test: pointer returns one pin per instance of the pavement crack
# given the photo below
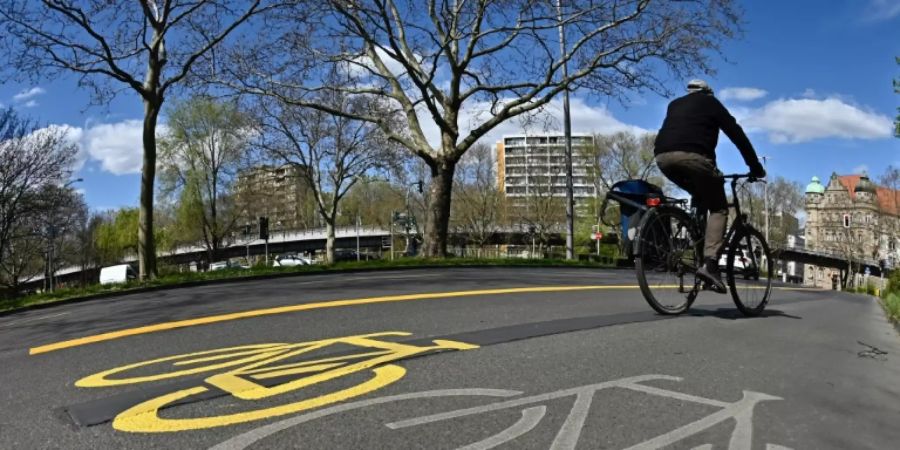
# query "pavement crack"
(872, 352)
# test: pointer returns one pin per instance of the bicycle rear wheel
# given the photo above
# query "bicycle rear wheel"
(750, 270)
(666, 260)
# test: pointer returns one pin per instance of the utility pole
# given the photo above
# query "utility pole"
(50, 232)
(357, 236)
(766, 196)
(392, 235)
(567, 126)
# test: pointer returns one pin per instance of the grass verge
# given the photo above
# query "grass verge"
(172, 280)
(891, 303)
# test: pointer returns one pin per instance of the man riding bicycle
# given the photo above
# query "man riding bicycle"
(686, 154)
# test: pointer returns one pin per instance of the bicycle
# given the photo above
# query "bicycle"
(669, 249)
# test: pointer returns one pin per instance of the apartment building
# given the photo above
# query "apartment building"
(535, 164)
(276, 192)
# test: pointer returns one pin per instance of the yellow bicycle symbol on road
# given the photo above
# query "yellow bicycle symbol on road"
(243, 372)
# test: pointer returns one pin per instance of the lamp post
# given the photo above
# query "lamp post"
(567, 127)
(766, 195)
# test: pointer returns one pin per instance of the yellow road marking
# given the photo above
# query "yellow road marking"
(144, 417)
(237, 378)
(306, 307)
(302, 307)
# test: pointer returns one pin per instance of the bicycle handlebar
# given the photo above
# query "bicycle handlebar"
(738, 176)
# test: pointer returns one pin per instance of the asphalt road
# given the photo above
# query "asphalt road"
(448, 358)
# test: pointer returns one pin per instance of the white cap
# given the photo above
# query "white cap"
(697, 85)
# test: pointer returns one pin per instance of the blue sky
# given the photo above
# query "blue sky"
(809, 80)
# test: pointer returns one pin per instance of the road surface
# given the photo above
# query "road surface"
(470, 358)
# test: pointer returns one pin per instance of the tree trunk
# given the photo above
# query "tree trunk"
(146, 243)
(438, 223)
(329, 240)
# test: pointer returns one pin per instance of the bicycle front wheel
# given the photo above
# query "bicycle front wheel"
(750, 270)
(665, 260)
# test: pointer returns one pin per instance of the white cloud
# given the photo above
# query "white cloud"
(802, 120)
(118, 146)
(743, 94)
(861, 168)
(30, 104)
(28, 94)
(72, 136)
(585, 119)
(880, 10)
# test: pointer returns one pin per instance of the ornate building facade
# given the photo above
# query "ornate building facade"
(851, 218)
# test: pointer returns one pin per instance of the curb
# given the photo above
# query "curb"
(270, 276)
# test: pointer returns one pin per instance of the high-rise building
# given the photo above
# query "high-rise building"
(852, 217)
(535, 164)
(277, 192)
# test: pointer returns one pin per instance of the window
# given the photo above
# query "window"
(846, 220)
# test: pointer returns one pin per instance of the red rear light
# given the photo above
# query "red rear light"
(653, 201)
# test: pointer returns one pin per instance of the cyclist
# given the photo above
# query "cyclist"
(686, 154)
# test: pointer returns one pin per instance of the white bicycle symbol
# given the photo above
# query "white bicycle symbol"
(533, 410)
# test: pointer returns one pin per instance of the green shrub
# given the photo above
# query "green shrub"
(892, 306)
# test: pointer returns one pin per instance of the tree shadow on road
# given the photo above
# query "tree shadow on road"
(734, 314)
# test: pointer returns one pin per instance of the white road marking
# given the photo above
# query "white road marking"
(568, 435)
(32, 319)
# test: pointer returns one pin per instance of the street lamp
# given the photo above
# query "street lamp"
(765, 159)
(567, 127)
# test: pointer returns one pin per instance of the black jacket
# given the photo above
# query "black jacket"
(692, 125)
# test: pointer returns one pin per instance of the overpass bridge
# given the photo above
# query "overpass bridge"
(833, 260)
(299, 241)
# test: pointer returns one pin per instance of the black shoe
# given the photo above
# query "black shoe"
(710, 274)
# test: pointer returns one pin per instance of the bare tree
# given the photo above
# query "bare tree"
(30, 161)
(889, 211)
(461, 68)
(542, 213)
(332, 151)
(785, 200)
(622, 156)
(479, 209)
(372, 200)
(199, 160)
(145, 46)
(42, 240)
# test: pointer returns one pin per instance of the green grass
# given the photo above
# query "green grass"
(891, 303)
(173, 279)
(890, 298)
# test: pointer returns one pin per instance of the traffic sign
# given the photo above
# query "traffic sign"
(596, 236)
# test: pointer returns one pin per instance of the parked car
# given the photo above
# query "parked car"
(222, 265)
(291, 260)
(121, 273)
(218, 265)
(350, 255)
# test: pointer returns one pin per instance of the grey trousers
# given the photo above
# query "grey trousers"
(699, 176)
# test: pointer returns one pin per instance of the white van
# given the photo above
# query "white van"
(117, 274)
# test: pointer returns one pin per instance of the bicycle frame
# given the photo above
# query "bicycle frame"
(740, 221)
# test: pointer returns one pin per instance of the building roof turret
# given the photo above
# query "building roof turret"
(834, 183)
(815, 187)
(865, 185)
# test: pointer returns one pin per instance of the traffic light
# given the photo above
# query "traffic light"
(264, 228)
(420, 186)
